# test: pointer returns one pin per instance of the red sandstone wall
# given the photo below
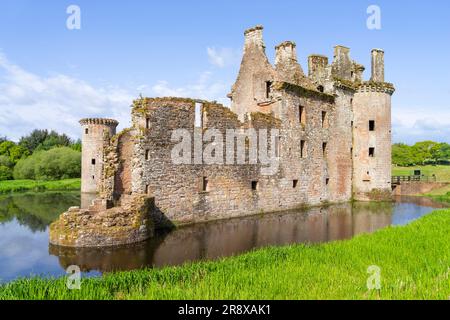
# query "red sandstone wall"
(415, 188)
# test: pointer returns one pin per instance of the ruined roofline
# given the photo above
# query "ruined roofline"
(341, 46)
(142, 103)
(255, 28)
(318, 55)
(173, 99)
(102, 121)
(288, 86)
(359, 66)
(286, 44)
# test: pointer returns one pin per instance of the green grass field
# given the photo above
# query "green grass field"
(414, 261)
(12, 186)
(442, 172)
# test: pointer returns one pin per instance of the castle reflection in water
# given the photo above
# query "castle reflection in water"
(230, 237)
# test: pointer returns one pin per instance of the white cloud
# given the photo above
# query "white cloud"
(57, 102)
(29, 101)
(204, 88)
(419, 124)
(223, 57)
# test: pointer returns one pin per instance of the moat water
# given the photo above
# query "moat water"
(25, 251)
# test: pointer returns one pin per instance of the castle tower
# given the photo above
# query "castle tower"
(372, 135)
(95, 135)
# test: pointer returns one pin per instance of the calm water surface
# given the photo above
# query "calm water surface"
(25, 251)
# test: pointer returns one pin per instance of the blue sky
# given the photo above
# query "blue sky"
(51, 76)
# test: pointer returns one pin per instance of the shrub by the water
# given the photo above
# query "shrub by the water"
(54, 164)
(5, 173)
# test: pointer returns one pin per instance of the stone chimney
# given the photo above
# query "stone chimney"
(254, 38)
(377, 65)
(342, 64)
(317, 67)
(286, 63)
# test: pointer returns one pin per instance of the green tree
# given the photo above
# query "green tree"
(6, 161)
(424, 151)
(5, 147)
(6, 173)
(39, 140)
(402, 155)
(54, 164)
(33, 140)
(13, 151)
(55, 140)
(76, 145)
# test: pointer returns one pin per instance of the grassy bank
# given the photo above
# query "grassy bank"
(414, 262)
(442, 172)
(12, 186)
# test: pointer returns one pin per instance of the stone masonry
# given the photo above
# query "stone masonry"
(333, 146)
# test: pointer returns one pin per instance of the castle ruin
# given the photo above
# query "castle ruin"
(334, 145)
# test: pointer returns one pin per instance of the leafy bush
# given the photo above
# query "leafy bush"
(54, 164)
(5, 173)
(6, 161)
(13, 151)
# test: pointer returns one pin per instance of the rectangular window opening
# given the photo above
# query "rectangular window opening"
(205, 184)
(327, 181)
(147, 154)
(294, 183)
(147, 123)
(198, 115)
(254, 185)
(268, 88)
(324, 149)
(146, 189)
(86, 131)
(372, 152)
(372, 125)
(302, 149)
(324, 119)
(302, 115)
(93, 161)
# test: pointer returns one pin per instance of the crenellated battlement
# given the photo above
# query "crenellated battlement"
(371, 86)
(99, 121)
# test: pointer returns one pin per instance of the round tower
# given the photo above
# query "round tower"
(372, 135)
(96, 133)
